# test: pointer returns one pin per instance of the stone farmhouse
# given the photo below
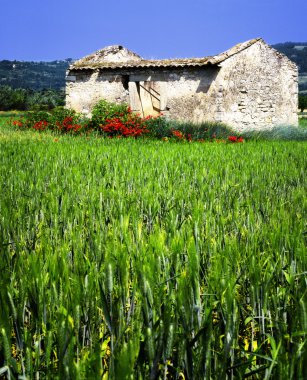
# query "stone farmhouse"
(249, 87)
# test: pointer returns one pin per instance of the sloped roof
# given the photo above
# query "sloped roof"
(117, 57)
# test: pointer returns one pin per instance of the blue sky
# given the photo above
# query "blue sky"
(57, 29)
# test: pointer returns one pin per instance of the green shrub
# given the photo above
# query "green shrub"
(44, 100)
(11, 99)
(105, 110)
(158, 127)
(117, 120)
(59, 114)
(60, 120)
(202, 131)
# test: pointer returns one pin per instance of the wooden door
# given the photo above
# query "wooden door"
(145, 98)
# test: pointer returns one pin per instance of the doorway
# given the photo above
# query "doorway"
(145, 98)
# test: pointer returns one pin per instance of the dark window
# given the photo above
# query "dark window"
(125, 81)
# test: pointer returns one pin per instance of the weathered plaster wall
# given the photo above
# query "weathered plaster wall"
(187, 94)
(85, 89)
(191, 94)
(258, 89)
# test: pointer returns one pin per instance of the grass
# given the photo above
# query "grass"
(149, 259)
(303, 122)
(280, 133)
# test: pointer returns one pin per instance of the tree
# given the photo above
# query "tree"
(45, 99)
(26, 99)
(12, 99)
(302, 102)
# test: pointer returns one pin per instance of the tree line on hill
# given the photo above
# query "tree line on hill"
(28, 99)
(32, 85)
(296, 51)
(34, 75)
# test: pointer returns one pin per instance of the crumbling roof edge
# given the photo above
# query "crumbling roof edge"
(146, 64)
(166, 63)
(236, 49)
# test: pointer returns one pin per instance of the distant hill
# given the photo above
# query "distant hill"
(51, 75)
(34, 75)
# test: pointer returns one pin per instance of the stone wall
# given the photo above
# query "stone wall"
(258, 89)
(254, 89)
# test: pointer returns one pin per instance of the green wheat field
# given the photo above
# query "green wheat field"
(152, 260)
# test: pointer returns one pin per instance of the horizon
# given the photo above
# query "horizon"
(54, 30)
